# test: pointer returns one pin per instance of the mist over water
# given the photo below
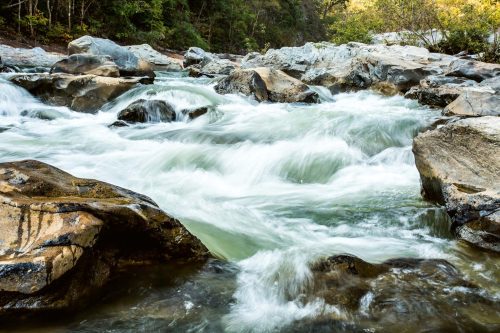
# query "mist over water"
(270, 188)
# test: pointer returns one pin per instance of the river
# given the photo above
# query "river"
(269, 189)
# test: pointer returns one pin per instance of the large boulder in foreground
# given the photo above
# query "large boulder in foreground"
(62, 237)
(128, 63)
(459, 166)
(267, 84)
(87, 64)
(83, 93)
(148, 111)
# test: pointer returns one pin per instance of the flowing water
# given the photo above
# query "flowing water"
(269, 189)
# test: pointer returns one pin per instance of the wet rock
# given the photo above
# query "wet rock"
(426, 294)
(354, 65)
(119, 123)
(159, 61)
(197, 112)
(128, 63)
(62, 237)
(473, 70)
(195, 55)
(266, 84)
(148, 111)
(459, 165)
(35, 57)
(86, 64)
(474, 104)
(83, 93)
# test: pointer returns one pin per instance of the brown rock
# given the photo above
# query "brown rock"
(61, 237)
(459, 166)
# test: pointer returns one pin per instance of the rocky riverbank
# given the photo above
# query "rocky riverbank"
(63, 237)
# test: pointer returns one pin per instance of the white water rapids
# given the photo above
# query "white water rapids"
(269, 187)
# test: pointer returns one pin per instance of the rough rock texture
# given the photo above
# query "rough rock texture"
(35, 57)
(148, 111)
(87, 64)
(61, 237)
(474, 70)
(353, 65)
(159, 61)
(459, 166)
(439, 91)
(84, 93)
(266, 84)
(474, 104)
(128, 63)
(396, 291)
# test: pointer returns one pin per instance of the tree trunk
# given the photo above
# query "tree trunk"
(49, 13)
(69, 15)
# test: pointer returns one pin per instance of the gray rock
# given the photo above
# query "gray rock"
(35, 57)
(195, 55)
(474, 104)
(83, 93)
(128, 63)
(459, 166)
(354, 65)
(62, 237)
(474, 70)
(266, 84)
(87, 64)
(159, 61)
(148, 111)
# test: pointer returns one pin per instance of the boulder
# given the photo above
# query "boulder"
(353, 66)
(87, 64)
(474, 104)
(62, 237)
(195, 55)
(439, 91)
(403, 290)
(148, 111)
(196, 112)
(459, 166)
(473, 70)
(128, 63)
(215, 66)
(159, 61)
(35, 57)
(83, 93)
(266, 84)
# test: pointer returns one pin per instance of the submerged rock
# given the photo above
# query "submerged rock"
(87, 64)
(83, 93)
(459, 166)
(62, 237)
(197, 112)
(424, 294)
(148, 111)
(128, 63)
(266, 84)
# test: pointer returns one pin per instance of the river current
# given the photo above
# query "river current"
(268, 188)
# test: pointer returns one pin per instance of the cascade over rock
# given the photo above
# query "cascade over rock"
(62, 237)
(148, 111)
(83, 93)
